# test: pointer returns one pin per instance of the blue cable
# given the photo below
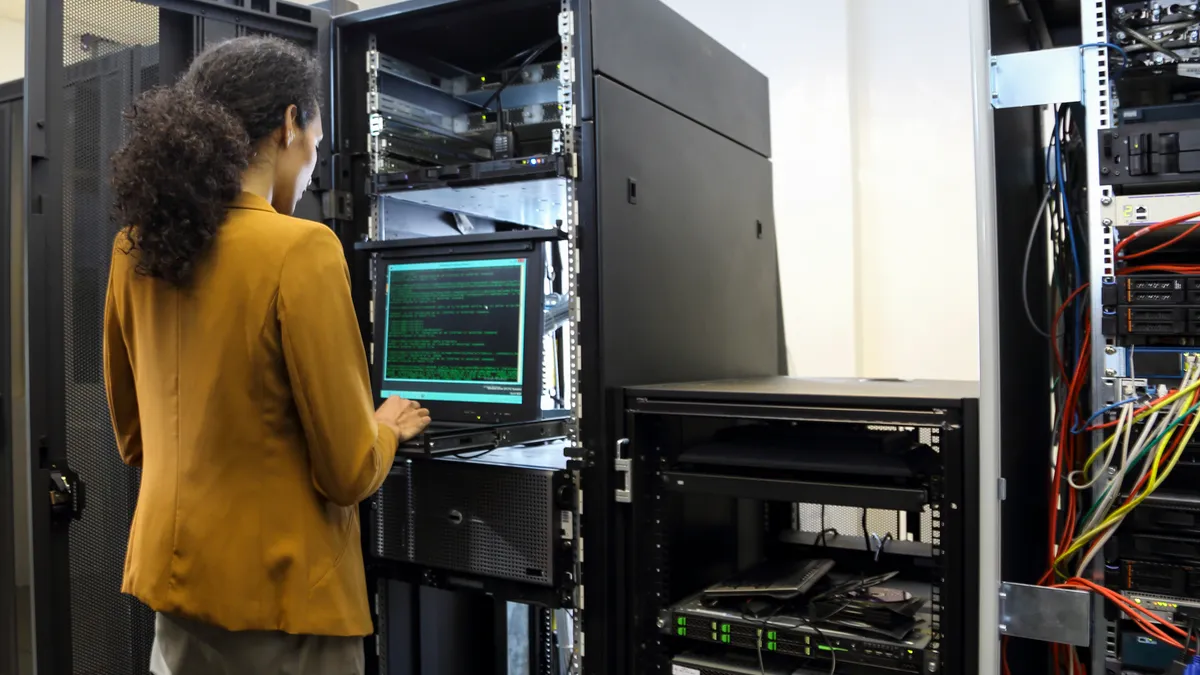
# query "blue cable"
(1062, 191)
(1109, 45)
(1096, 415)
(1193, 668)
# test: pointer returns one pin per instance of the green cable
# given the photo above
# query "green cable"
(1145, 449)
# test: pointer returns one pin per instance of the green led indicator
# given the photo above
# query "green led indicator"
(725, 639)
(771, 635)
(827, 648)
(771, 646)
(681, 631)
(681, 620)
(724, 628)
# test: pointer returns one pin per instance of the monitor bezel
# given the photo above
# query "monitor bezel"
(530, 408)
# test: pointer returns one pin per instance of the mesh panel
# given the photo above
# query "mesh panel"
(392, 506)
(110, 55)
(848, 520)
(502, 520)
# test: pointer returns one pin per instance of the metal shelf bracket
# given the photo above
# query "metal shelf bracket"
(1042, 77)
(1060, 615)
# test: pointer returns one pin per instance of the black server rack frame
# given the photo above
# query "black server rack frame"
(613, 65)
(663, 419)
(1141, 134)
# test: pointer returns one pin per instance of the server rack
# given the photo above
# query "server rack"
(640, 249)
(1112, 77)
(697, 520)
(662, 171)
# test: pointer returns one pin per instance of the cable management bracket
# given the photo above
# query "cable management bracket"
(1060, 615)
(1042, 77)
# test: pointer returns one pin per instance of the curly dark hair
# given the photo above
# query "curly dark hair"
(189, 144)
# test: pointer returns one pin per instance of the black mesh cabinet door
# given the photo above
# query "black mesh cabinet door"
(87, 61)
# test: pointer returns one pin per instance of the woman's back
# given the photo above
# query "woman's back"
(237, 378)
(245, 520)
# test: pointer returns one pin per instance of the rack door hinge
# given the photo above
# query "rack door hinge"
(624, 466)
(1060, 615)
(337, 205)
(1041, 77)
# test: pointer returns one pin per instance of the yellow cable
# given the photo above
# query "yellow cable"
(1151, 486)
(1137, 418)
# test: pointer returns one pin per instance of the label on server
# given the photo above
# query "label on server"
(683, 670)
(566, 524)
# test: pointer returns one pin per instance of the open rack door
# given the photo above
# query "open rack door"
(87, 61)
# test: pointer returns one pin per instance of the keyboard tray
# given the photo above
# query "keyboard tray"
(464, 439)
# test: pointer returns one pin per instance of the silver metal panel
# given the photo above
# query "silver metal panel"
(1147, 209)
(1042, 77)
(1060, 615)
(1115, 361)
(536, 203)
(989, 339)
(1097, 100)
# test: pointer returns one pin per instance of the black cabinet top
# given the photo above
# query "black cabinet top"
(808, 391)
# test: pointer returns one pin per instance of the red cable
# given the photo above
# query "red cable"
(1136, 411)
(1065, 452)
(1165, 244)
(1062, 369)
(1068, 443)
(1153, 228)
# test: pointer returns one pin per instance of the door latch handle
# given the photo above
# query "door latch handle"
(68, 494)
(624, 465)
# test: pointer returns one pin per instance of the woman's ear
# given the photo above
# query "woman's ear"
(291, 125)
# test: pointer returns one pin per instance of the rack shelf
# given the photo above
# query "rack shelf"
(775, 489)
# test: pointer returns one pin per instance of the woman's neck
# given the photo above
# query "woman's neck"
(256, 181)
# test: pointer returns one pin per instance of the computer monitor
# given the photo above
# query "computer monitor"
(461, 334)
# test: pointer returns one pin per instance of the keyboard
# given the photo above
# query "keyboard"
(781, 580)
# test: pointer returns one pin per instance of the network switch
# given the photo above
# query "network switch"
(795, 636)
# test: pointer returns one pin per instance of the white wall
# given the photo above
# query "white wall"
(874, 178)
(12, 49)
(874, 183)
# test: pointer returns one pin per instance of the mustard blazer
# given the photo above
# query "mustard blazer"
(244, 398)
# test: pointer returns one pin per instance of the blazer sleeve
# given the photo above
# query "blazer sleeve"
(118, 369)
(349, 452)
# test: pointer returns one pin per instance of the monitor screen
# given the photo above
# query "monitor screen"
(456, 336)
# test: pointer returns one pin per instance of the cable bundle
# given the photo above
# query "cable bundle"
(1145, 433)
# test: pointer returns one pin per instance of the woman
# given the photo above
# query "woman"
(236, 377)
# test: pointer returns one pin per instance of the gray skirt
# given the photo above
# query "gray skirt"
(186, 647)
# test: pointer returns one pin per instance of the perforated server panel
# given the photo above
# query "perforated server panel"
(492, 521)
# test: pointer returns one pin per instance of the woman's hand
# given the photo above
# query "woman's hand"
(404, 417)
